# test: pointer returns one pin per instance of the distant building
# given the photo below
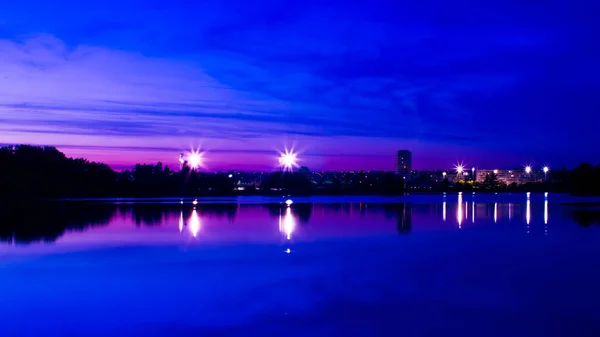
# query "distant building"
(517, 176)
(404, 163)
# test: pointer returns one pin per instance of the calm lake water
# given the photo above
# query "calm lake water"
(429, 265)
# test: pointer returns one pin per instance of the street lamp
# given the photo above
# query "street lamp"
(195, 160)
(460, 169)
(288, 160)
(528, 169)
(546, 169)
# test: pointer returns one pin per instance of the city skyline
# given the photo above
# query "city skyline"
(345, 85)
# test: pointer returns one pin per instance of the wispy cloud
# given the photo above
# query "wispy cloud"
(235, 76)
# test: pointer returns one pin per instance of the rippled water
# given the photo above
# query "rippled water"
(469, 265)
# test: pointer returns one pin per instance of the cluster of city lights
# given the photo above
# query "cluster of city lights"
(289, 159)
(460, 169)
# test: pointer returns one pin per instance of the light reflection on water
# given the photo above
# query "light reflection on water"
(495, 212)
(444, 211)
(194, 222)
(219, 220)
(459, 210)
(336, 265)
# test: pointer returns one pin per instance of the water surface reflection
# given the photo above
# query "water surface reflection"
(47, 222)
(464, 264)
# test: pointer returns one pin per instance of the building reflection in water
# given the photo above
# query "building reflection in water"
(459, 212)
(404, 218)
(194, 223)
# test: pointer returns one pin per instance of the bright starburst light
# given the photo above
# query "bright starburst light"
(288, 160)
(195, 159)
(546, 169)
(459, 168)
(527, 169)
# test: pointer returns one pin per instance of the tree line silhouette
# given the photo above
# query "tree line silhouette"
(45, 172)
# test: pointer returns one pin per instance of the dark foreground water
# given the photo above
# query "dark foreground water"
(469, 265)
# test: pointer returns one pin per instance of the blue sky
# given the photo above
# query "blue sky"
(344, 83)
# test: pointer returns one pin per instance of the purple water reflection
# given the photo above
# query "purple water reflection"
(464, 265)
(185, 223)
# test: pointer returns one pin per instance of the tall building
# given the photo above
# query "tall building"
(404, 163)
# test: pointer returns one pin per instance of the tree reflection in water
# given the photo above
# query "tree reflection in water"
(47, 221)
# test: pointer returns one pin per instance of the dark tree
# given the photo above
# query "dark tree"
(491, 181)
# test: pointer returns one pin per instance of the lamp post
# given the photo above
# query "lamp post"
(288, 160)
(459, 171)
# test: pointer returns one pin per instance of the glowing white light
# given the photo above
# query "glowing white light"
(459, 213)
(195, 159)
(473, 169)
(495, 212)
(288, 160)
(546, 169)
(288, 250)
(289, 202)
(459, 168)
(444, 174)
(181, 222)
(444, 211)
(546, 212)
(473, 212)
(230, 175)
(288, 223)
(495, 171)
(194, 223)
(528, 212)
(546, 195)
(527, 169)
(195, 202)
